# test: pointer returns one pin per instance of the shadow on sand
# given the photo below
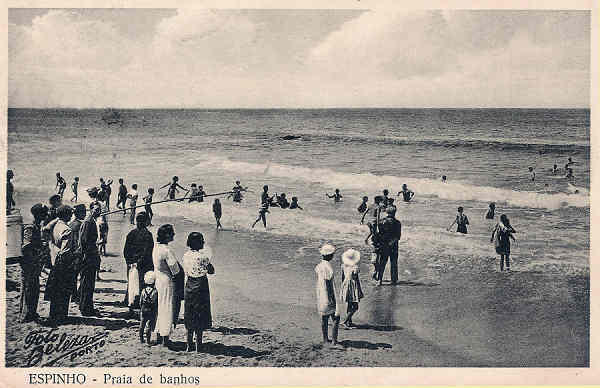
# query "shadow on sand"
(217, 349)
(378, 327)
(364, 345)
(410, 283)
(109, 323)
(233, 331)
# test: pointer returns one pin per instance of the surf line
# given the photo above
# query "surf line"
(163, 201)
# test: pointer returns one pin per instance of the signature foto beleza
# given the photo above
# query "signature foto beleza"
(60, 345)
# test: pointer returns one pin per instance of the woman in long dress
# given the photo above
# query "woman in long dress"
(197, 265)
(165, 268)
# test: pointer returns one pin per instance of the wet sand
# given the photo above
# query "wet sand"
(264, 312)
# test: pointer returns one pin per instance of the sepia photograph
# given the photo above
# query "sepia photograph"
(297, 188)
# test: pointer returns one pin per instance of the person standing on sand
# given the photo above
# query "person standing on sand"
(326, 299)
(165, 269)
(386, 198)
(138, 251)
(122, 196)
(148, 307)
(217, 211)
(197, 265)
(133, 197)
(351, 292)
(88, 237)
(75, 225)
(10, 190)
(105, 187)
(148, 206)
(391, 231)
(61, 185)
(74, 187)
(35, 254)
(501, 236)
(60, 280)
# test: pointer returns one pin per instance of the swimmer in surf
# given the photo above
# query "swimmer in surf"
(294, 204)
(364, 205)
(491, 212)
(532, 174)
(461, 221)
(337, 197)
(173, 185)
(237, 192)
(554, 170)
(443, 178)
(407, 195)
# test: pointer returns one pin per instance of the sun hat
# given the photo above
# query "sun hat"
(149, 277)
(327, 250)
(351, 257)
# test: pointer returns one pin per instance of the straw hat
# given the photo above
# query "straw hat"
(327, 249)
(149, 277)
(351, 257)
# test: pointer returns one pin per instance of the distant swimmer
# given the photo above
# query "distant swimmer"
(61, 184)
(407, 195)
(443, 178)
(237, 190)
(262, 215)
(217, 211)
(569, 173)
(282, 201)
(570, 162)
(294, 204)
(490, 215)
(461, 222)
(363, 205)
(532, 174)
(554, 170)
(74, 186)
(173, 185)
(133, 197)
(197, 193)
(337, 197)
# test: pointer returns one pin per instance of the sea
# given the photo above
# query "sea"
(484, 153)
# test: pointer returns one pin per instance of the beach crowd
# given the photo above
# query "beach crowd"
(67, 243)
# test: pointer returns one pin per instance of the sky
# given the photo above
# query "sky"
(190, 58)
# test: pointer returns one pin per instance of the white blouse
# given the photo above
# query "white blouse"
(195, 263)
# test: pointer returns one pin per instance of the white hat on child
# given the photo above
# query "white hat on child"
(327, 249)
(351, 257)
(149, 277)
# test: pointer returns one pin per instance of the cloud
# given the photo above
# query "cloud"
(206, 58)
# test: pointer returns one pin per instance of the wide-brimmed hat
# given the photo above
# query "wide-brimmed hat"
(327, 250)
(149, 277)
(351, 257)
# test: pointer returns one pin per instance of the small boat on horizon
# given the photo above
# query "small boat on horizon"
(112, 116)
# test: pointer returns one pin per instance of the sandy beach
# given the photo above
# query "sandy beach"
(265, 316)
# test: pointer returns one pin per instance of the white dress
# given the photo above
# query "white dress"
(165, 269)
(326, 300)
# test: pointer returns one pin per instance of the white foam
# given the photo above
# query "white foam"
(368, 183)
